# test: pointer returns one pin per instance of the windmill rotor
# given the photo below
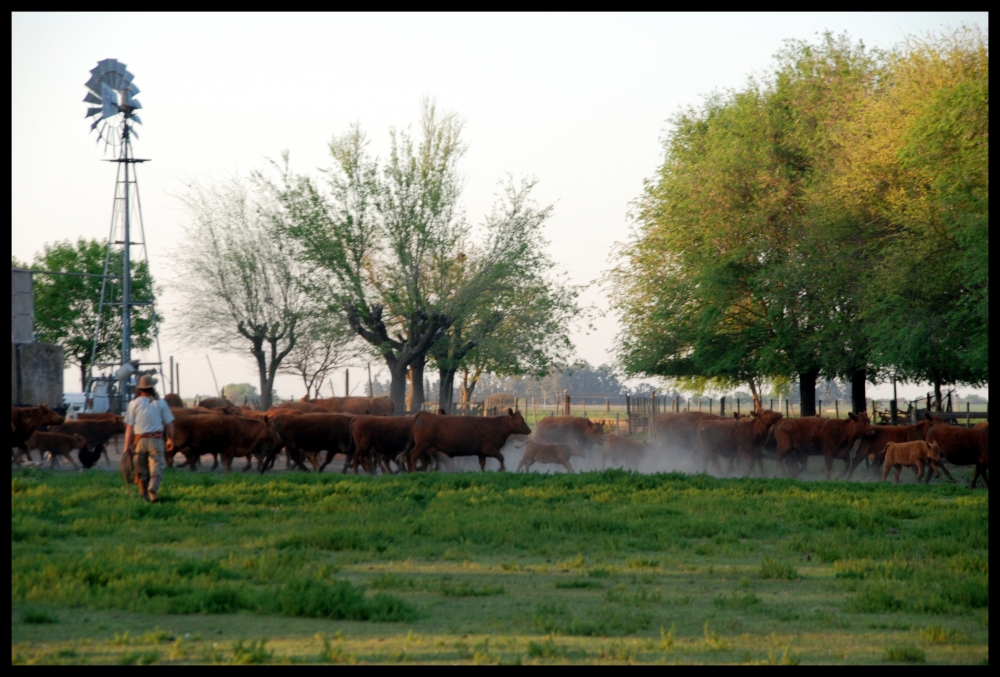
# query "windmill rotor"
(111, 92)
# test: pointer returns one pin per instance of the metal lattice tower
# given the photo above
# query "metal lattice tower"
(112, 89)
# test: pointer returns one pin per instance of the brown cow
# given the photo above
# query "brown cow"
(910, 454)
(873, 448)
(813, 436)
(548, 452)
(300, 407)
(732, 438)
(174, 400)
(678, 432)
(982, 425)
(312, 433)
(582, 432)
(963, 446)
(215, 403)
(230, 436)
(374, 406)
(377, 440)
(463, 436)
(625, 450)
(57, 444)
(97, 432)
(24, 421)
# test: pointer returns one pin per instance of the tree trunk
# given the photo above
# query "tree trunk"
(858, 391)
(467, 389)
(937, 395)
(757, 406)
(83, 377)
(397, 386)
(415, 398)
(446, 389)
(807, 393)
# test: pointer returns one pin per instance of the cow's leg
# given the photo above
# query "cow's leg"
(493, 453)
(215, 461)
(569, 468)
(482, 463)
(898, 467)
(521, 465)
(227, 461)
(70, 457)
(854, 464)
(980, 471)
(828, 460)
(885, 470)
(944, 469)
(104, 452)
(249, 462)
(918, 470)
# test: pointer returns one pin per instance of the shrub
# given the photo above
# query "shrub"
(578, 583)
(38, 617)
(465, 589)
(737, 601)
(905, 654)
(254, 652)
(772, 568)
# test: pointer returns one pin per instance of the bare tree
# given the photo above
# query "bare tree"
(324, 344)
(240, 280)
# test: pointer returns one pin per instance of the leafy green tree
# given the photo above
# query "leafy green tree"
(66, 306)
(387, 240)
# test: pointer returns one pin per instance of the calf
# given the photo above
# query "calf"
(910, 454)
(548, 452)
(57, 444)
(732, 438)
(24, 421)
(873, 447)
(963, 446)
(97, 432)
(463, 436)
(624, 450)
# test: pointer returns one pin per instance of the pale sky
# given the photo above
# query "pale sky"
(579, 101)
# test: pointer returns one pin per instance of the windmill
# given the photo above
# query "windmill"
(112, 94)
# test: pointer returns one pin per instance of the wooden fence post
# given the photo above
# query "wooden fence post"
(566, 404)
(819, 408)
(628, 413)
(618, 423)
(968, 415)
(788, 409)
(893, 411)
(710, 405)
(836, 408)
(722, 406)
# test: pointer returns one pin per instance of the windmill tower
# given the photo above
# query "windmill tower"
(111, 90)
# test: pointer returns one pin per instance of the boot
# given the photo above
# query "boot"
(153, 498)
(142, 488)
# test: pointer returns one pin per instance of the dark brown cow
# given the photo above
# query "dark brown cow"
(373, 406)
(174, 400)
(378, 439)
(582, 432)
(678, 432)
(548, 452)
(215, 403)
(732, 438)
(24, 421)
(814, 436)
(463, 436)
(873, 448)
(301, 407)
(963, 446)
(312, 433)
(97, 432)
(625, 450)
(57, 444)
(982, 425)
(230, 436)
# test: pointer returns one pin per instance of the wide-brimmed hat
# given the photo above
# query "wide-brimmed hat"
(147, 382)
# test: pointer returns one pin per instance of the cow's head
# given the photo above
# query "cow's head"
(517, 424)
(862, 425)
(764, 419)
(594, 432)
(934, 452)
(49, 416)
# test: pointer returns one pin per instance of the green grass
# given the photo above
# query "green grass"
(495, 568)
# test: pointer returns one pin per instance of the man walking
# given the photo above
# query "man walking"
(147, 420)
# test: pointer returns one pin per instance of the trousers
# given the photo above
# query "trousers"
(149, 452)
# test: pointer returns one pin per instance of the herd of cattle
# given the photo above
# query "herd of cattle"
(364, 431)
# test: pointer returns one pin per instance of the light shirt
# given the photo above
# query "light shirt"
(147, 415)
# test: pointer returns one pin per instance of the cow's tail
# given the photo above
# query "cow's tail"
(518, 446)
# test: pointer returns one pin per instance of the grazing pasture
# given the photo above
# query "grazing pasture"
(596, 567)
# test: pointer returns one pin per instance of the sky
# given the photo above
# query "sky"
(581, 102)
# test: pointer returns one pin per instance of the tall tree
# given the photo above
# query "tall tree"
(66, 306)
(918, 171)
(389, 236)
(242, 283)
(324, 344)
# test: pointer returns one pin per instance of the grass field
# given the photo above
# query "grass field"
(608, 567)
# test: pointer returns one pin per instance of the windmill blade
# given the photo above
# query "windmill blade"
(94, 84)
(91, 98)
(94, 126)
(109, 101)
(94, 111)
(132, 89)
(137, 120)
(104, 66)
(129, 101)
(131, 130)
